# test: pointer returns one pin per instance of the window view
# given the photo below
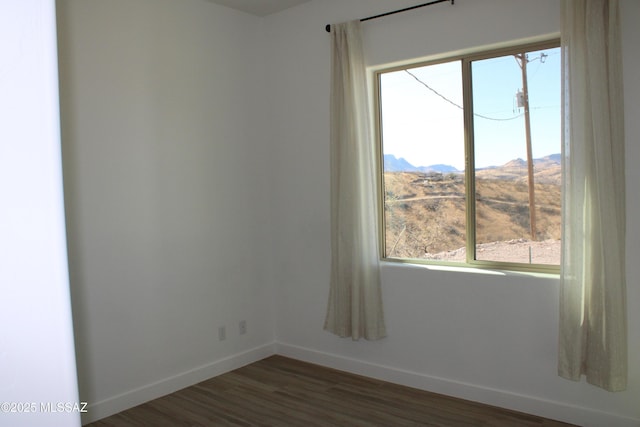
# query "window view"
(471, 151)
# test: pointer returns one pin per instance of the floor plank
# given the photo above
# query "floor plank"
(278, 391)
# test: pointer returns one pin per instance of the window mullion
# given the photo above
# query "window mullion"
(469, 160)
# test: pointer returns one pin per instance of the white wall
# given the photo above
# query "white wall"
(37, 363)
(162, 146)
(483, 336)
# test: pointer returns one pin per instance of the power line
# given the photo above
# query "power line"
(456, 105)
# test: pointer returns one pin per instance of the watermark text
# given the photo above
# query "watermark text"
(42, 407)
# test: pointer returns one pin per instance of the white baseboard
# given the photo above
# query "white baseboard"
(129, 399)
(531, 405)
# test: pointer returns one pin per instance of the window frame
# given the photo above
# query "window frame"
(466, 60)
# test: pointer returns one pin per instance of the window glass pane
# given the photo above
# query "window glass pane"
(423, 145)
(517, 137)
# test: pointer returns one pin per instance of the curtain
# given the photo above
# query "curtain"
(355, 301)
(593, 329)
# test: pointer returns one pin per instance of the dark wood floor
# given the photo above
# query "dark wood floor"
(278, 391)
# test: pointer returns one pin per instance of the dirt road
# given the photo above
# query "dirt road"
(518, 250)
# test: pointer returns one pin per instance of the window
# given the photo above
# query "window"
(470, 166)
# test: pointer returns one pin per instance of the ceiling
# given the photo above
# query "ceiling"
(259, 7)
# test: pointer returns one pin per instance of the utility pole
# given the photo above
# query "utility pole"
(522, 60)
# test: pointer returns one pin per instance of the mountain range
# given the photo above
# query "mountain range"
(394, 164)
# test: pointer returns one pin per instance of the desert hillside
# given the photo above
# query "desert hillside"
(425, 212)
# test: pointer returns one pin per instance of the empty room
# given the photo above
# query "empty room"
(224, 198)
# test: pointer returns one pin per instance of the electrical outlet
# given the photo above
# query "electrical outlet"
(243, 327)
(222, 333)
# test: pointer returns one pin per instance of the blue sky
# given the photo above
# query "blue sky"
(427, 128)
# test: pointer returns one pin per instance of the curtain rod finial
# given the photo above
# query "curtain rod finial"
(328, 28)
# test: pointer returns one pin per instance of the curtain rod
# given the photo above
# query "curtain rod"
(328, 26)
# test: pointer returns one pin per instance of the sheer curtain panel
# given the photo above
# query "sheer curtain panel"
(593, 328)
(355, 302)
